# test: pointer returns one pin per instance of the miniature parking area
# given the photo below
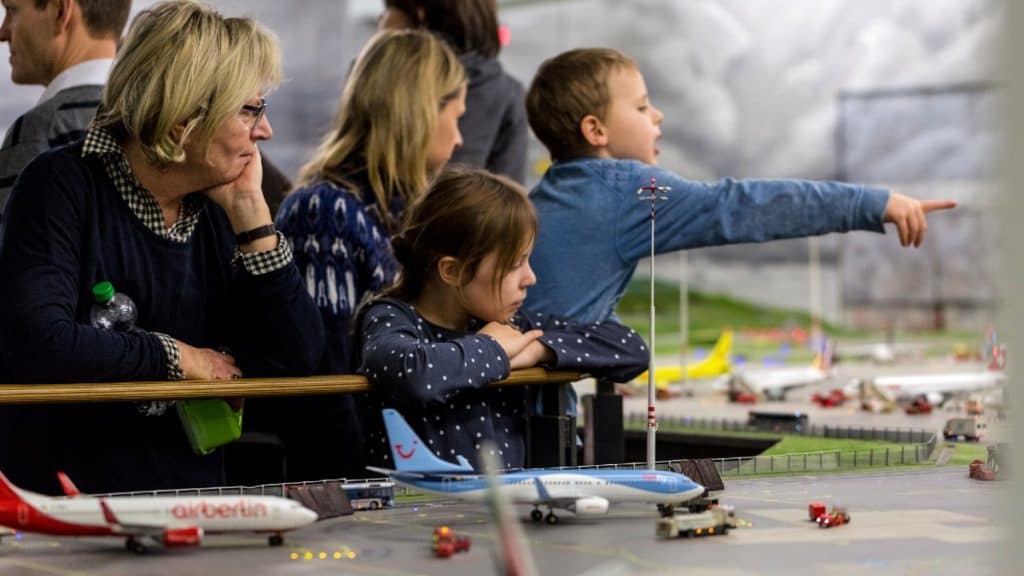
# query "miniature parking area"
(927, 521)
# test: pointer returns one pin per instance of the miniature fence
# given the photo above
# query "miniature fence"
(258, 490)
(825, 461)
(885, 434)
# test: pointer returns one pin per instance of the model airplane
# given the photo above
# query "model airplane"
(937, 388)
(583, 492)
(774, 383)
(716, 364)
(174, 521)
(882, 352)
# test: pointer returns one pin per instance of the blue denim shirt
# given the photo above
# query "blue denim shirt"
(593, 229)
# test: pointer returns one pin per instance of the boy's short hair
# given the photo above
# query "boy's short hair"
(566, 89)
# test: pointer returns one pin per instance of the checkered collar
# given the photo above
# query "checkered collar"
(101, 143)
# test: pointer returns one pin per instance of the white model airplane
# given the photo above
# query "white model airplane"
(937, 387)
(882, 352)
(583, 492)
(173, 521)
(774, 383)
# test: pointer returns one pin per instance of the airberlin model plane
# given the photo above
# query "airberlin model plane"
(173, 521)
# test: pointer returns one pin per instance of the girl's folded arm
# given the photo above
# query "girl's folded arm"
(401, 363)
(603, 349)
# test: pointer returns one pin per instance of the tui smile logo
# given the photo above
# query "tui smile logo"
(406, 455)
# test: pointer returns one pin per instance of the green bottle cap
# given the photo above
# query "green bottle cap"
(102, 292)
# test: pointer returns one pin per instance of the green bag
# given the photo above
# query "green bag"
(209, 423)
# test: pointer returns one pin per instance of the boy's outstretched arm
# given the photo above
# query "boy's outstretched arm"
(910, 216)
(730, 211)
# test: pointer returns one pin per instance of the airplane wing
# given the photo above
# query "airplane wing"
(545, 497)
(153, 530)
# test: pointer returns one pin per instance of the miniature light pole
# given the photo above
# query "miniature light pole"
(652, 193)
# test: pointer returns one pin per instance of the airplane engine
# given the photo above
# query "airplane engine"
(589, 506)
(180, 537)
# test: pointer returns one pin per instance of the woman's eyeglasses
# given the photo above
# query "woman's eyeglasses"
(252, 114)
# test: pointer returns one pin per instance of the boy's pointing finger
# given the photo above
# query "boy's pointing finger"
(933, 205)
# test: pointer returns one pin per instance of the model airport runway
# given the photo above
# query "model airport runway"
(933, 521)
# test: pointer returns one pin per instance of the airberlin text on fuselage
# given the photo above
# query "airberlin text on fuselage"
(239, 509)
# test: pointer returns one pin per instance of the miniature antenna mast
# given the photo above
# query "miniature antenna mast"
(651, 193)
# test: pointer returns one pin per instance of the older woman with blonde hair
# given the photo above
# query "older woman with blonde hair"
(162, 198)
(396, 126)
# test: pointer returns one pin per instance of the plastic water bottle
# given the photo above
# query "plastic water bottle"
(116, 312)
(112, 310)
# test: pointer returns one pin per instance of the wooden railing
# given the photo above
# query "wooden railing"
(242, 387)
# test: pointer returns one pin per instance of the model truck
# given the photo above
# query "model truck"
(970, 429)
(445, 542)
(716, 520)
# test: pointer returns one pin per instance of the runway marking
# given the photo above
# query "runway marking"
(45, 568)
(940, 525)
(540, 542)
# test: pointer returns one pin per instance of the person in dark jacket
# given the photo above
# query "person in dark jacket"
(163, 199)
(494, 128)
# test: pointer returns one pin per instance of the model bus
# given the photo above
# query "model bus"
(778, 421)
(370, 494)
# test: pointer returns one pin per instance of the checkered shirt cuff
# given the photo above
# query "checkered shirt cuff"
(257, 263)
(173, 358)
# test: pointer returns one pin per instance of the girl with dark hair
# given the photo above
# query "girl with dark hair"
(452, 323)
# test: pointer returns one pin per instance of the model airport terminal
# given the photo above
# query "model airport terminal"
(832, 404)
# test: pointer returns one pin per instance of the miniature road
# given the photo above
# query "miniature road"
(934, 521)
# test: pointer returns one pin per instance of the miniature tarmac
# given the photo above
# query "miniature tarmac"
(931, 521)
(707, 403)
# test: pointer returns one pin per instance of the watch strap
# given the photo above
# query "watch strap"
(255, 234)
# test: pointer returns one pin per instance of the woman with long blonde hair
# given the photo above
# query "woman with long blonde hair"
(396, 126)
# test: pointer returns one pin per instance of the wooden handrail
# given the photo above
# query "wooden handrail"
(242, 387)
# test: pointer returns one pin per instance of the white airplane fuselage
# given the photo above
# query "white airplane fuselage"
(83, 515)
(912, 385)
(779, 380)
(655, 487)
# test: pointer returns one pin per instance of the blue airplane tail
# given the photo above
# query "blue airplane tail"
(410, 454)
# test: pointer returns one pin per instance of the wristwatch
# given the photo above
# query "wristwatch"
(255, 234)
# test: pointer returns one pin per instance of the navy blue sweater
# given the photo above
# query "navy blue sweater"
(437, 377)
(67, 228)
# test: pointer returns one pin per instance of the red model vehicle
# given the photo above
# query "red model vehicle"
(445, 543)
(744, 397)
(980, 471)
(833, 398)
(816, 509)
(837, 517)
(920, 405)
